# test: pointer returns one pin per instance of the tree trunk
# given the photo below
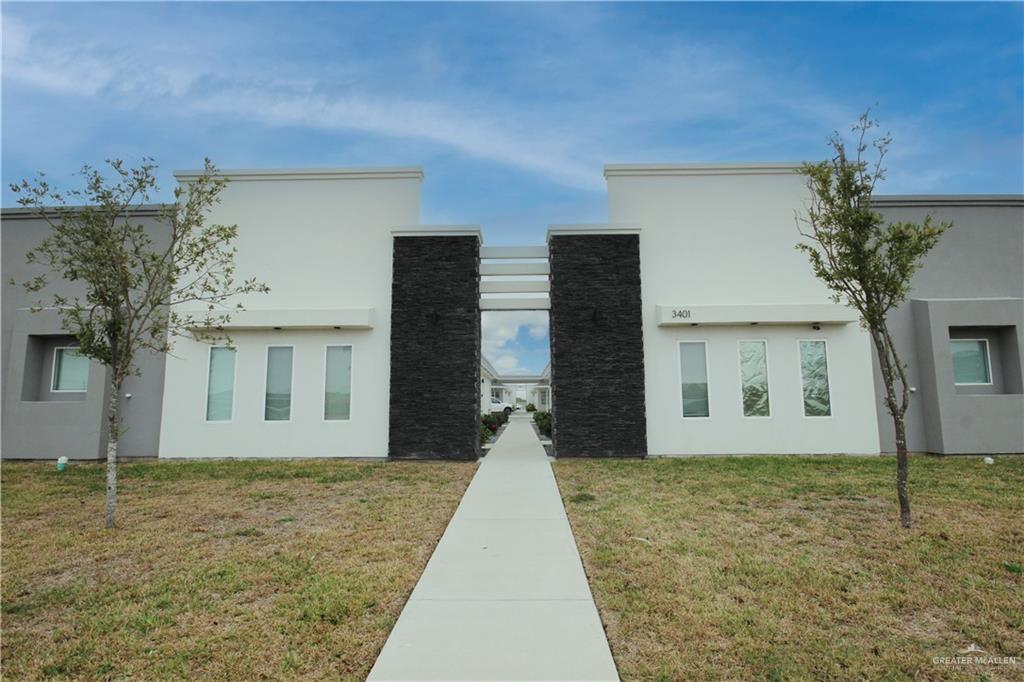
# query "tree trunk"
(113, 429)
(887, 358)
(902, 485)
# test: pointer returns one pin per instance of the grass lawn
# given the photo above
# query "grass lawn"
(796, 567)
(229, 570)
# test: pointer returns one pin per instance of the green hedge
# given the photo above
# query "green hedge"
(494, 420)
(543, 421)
(530, 407)
(490, 423)
(485, 433)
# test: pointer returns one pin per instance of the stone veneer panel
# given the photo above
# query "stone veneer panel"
(435, 348)
(597, 353)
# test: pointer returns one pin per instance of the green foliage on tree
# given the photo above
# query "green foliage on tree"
(135, 290)
(867, 262)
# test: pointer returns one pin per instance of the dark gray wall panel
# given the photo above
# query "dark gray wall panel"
(435, 348)
(597, 354)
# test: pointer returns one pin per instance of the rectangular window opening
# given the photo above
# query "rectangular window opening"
(277, 404)
(814, 378)
(220, 384)
(693, 368)
(971, 362)
(70, 370)
(338, 383)
(754, 378)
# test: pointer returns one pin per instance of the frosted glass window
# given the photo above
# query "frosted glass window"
(338, 383)
(278, 403)
(220, 387)
(694, 369)
(70, 370)
(814, 375)
(970, 361)
(754, 378)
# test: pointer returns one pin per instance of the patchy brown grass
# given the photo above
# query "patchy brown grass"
(225, 570)
(796, 568)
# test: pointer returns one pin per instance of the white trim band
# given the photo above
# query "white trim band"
(331, 318)
(683, 315)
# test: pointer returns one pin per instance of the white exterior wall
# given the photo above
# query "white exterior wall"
(485, 395)
(321, 240)
(726, 236)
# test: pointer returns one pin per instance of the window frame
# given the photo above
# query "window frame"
(707, 377)
(351, 383)
(291, 385)
(767, 377)
(53, 371)
(828, 378)
(234, 386)
(988, 363)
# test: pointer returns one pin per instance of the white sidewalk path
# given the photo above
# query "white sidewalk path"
(504, 596)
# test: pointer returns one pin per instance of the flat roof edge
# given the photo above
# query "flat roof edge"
(438, 231)
(256, 174)
(572, 230)
(656, 169)
(894, 200)
(141, 211)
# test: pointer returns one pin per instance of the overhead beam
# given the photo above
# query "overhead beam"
(515, 269)
(513, 252)
(514, 286)
(534, 303)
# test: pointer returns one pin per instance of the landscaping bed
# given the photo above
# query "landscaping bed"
(491, 426)
(227, 570)
(796, 567)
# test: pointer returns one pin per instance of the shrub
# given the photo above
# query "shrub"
(485, 433)
(543, 421)
(495, 419)
(530, 407)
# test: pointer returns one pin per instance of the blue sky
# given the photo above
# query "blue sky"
(513, 109)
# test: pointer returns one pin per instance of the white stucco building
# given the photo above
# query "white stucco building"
(322, 241)
(721, 277)
(688, 324)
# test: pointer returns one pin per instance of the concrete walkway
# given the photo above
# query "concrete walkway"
(504, 596)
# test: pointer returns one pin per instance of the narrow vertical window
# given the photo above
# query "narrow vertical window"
(278, 402)
(754, 378)
(70, 370)
(693, 367)
(814, 377)
(220, 384)
(338, 383)
(970, 362)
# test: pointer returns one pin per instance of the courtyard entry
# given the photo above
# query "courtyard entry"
(446, 288)
(515, 369)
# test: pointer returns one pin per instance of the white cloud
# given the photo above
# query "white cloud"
(558, 115)
(499, 330)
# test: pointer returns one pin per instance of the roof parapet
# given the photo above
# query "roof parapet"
(908, 200)
(263, 174)
(668, 169)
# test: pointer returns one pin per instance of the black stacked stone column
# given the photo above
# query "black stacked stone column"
(597, 351)
(435, 348)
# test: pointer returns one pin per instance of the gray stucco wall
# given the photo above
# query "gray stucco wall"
(38, 424)
(980, 259)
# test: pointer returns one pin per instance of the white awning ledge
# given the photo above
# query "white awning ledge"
(324, 318)
(683, 315)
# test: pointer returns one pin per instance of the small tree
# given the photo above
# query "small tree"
(866, 261)
(132, 284)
